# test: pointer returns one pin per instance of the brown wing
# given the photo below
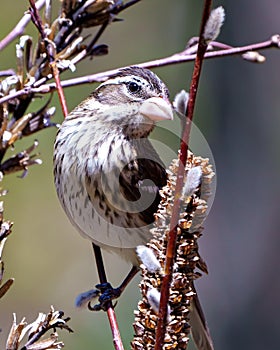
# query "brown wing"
(142, 184)
(133, 191)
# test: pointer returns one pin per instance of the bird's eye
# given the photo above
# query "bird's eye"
(133, 87)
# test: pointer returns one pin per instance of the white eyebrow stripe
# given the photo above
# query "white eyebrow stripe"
(126, 80)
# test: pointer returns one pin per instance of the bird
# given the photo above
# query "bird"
(107, 173)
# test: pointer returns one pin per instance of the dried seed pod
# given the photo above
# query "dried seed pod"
(187, 259)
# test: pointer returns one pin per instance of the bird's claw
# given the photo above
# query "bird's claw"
(106, 294)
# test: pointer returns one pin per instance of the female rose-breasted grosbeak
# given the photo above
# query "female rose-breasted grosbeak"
(107, 173)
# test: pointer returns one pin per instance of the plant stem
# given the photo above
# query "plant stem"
(110, 311)
(51, 51)
(172, 238)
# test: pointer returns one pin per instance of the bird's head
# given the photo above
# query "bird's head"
(134, 99)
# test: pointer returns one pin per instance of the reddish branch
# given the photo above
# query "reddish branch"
(60, 91)
(172, 238)
(36, 19)
(118, 345)
(115, 329)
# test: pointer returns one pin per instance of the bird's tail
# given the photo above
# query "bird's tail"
(199, 330)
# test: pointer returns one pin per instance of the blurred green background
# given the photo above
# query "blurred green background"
(238, 112)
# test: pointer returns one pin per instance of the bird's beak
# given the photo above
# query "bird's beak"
(156, 108)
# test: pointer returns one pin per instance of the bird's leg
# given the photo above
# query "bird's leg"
(99, 263)
(107, 292)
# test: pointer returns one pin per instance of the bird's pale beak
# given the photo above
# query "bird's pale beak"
(156, 108)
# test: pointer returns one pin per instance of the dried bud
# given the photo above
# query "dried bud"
(6, 286)
(214, 24)
(20, 161)
(253, 56)
(276, 40)
(66, 64)
(99, 50)
(15, 334)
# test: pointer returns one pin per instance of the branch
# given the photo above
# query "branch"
(51, 50)
(110, 311)
(19, 28)
(172, 237)
(180, 57)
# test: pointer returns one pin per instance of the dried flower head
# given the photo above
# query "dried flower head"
(187, 261)
(36, 330)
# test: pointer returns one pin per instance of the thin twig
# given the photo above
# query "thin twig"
(172, 237)
(36, 19)
(89, 47)
(182, 57)
(60, 91)
(110, 311)
(115, 10)
(50, 47)
(122, 7)
(19, 28)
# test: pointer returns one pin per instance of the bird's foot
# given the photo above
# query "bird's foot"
(106, 294)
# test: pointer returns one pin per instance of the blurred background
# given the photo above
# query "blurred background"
(238, 111)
